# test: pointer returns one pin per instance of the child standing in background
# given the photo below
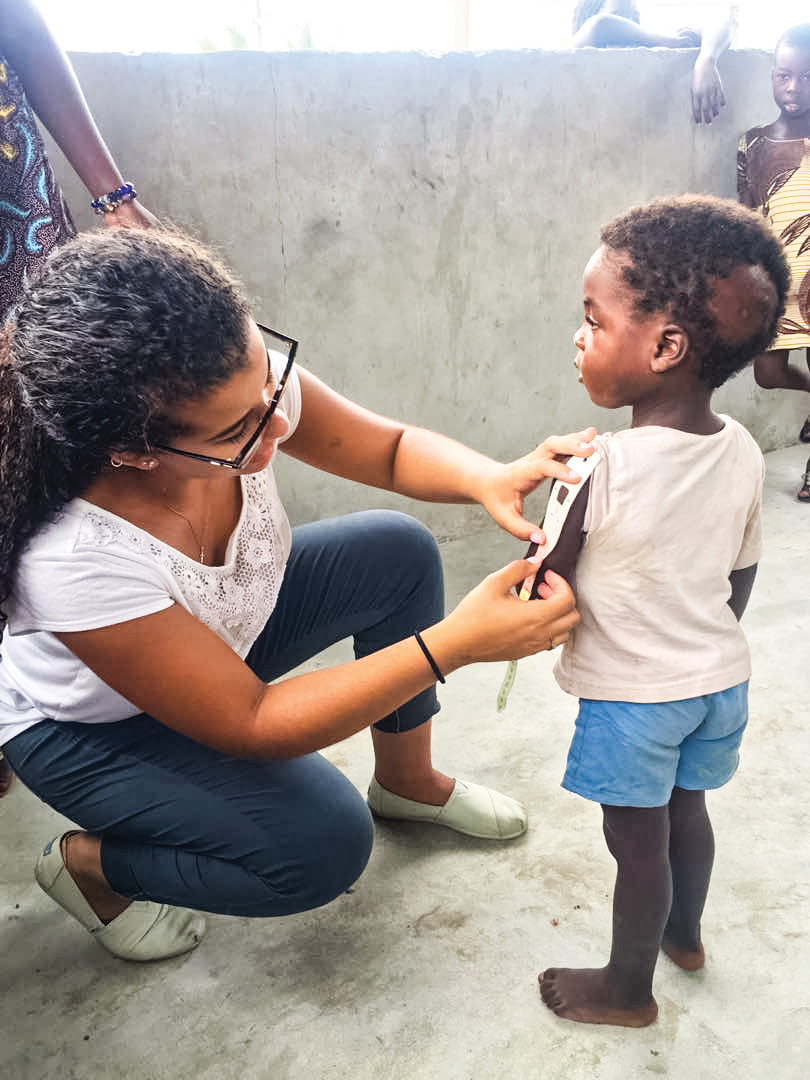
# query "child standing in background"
(682, 294)
(773, 176)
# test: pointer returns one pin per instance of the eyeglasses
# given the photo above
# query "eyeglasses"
(245, 455)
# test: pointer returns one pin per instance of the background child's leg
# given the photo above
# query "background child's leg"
(803, 494)
(804, 434)
(773, 372)
(621, 992)
(691, 855)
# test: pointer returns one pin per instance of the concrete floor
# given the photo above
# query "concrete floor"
(427, 969)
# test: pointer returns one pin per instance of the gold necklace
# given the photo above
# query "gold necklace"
(197, 541)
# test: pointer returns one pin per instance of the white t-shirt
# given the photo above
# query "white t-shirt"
(669, 516)
(91, 568)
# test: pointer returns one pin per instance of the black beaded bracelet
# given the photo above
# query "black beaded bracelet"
(429, 657)
(109, 203)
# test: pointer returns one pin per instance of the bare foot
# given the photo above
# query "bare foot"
(688, 959)
(589, 996)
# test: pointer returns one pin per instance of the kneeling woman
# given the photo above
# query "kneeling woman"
(154, 589)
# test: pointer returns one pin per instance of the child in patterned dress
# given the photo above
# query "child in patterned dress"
(773, 176)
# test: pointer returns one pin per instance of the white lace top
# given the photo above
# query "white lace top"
(91, 568)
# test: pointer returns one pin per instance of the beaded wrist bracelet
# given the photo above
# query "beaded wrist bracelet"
(109, 203)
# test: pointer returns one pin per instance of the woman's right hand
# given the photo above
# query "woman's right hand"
(209, 694)
(491, 623)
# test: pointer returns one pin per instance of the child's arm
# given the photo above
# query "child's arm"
(742, 582)
(707, 87)
(744, 192)
(562, 558)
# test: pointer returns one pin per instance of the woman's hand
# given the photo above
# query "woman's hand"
(504, 488)
(130, 214)
(209, 694)
(491, 623)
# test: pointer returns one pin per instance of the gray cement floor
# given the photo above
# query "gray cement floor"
(427, 969)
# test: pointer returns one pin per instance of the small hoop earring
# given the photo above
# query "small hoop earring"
(116, 462)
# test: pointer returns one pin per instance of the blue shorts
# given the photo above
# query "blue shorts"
(626, 754)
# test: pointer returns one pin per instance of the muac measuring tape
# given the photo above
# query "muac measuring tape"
(560, 503)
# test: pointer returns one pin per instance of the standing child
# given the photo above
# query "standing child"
(681, 294)
(773, 176)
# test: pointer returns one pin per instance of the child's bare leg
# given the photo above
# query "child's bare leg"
(804, 434)
(621, 992)
(772, 371)
(691, 855)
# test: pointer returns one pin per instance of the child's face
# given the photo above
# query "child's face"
(790, 79)
(615, 345)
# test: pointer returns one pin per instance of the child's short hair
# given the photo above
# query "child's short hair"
(675, 247)
(798, 37)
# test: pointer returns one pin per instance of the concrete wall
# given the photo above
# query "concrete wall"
(421, 223)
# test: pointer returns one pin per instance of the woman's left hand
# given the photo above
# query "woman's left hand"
(505, 488)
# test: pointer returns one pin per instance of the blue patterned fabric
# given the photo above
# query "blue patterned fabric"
(33, 215)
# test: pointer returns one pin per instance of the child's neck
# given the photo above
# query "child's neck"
(692, 414)
(790, 127)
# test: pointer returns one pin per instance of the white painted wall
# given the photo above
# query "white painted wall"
(421, 223)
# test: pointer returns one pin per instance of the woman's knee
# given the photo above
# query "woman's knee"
(405, 538)
(330, 860)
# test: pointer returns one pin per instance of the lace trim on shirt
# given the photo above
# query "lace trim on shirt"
(234, 600)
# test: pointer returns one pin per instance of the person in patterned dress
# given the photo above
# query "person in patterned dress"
(37, 76)
(773, 176)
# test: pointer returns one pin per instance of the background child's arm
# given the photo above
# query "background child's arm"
(741, 584)
(562, 558)
(707, 87)
(744, 191)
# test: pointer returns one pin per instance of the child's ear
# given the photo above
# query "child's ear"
(671, 348)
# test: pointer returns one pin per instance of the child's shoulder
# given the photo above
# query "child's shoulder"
(643, 442)
(749, 139)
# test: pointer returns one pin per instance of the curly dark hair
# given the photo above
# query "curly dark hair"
(119, 326)
(797, 36)
(676, 246)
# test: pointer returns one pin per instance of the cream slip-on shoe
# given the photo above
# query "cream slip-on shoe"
(143, 931)
(471, 809)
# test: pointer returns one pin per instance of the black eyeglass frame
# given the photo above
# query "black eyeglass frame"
(251, 446)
